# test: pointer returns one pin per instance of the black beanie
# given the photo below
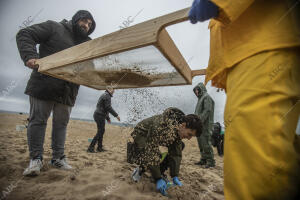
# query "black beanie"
(84, 14)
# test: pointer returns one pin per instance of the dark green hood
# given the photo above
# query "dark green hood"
(201, 90)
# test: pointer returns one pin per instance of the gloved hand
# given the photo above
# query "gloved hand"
(176, 181)
(203, 10)
(161, 185)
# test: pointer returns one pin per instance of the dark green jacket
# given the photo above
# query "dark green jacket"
(205, 106)
(52, 37)
(159, 130)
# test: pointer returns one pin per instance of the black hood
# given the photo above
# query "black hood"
(69, 26)
(84, 14)
(201, 90)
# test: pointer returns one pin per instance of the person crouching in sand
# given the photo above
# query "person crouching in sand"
(167, 129)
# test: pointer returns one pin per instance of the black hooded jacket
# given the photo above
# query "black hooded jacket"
(52, 37)
(104, 106)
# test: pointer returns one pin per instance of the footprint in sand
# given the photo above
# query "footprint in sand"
(84, 157)
(88, 163)
(53, 175)
(21, 150)
(3, 158)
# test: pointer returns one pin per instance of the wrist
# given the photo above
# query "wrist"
(175, 179)
(29, 57)
(158, 179)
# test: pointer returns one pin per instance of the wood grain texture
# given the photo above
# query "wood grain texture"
(151, 32)
(166, 45)
(136, 36)
(198, 72)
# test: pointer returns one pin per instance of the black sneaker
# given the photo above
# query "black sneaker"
(90, 150)
(101, 150)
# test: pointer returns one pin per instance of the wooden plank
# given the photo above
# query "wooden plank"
(168, 48)
(117, 86)
(151, 32)
(136, 36)
(198, 72)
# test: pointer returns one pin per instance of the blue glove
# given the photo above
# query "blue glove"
(176, 181)
(161, 185)
(203, 10)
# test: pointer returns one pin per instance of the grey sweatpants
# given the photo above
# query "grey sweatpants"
(40, 111)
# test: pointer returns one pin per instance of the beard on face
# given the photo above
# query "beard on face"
(80, 31)
(199, 92)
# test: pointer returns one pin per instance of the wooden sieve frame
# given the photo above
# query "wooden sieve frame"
(151, 32)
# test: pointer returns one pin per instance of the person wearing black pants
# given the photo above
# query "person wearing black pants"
(100, 131)
(101, 113)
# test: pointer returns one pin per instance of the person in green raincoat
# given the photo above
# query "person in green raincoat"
(205, 110)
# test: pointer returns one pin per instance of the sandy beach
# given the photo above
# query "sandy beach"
(96, 176)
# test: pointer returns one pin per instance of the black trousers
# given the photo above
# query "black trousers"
(100, 120)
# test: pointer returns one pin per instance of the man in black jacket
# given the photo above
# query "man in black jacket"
(101, 113)
(48, 94)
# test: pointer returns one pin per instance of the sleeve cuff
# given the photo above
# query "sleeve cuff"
(30, 57)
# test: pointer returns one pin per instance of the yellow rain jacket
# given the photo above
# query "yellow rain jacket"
(255, 56)
(247, 27)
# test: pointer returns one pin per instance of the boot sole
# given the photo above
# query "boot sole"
(32, 173)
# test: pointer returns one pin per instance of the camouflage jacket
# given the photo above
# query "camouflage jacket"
(159, 130)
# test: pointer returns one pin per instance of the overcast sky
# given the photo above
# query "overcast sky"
(131, 104)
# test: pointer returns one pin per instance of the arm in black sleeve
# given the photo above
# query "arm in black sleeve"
(29, 37)
(175, 156)
(98, 106)
(107, 105)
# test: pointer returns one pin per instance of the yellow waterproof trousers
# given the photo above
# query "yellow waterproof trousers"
(262, 150)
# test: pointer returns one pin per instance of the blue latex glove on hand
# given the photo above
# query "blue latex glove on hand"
(176, 181)
(161, 185)
(203, 10)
